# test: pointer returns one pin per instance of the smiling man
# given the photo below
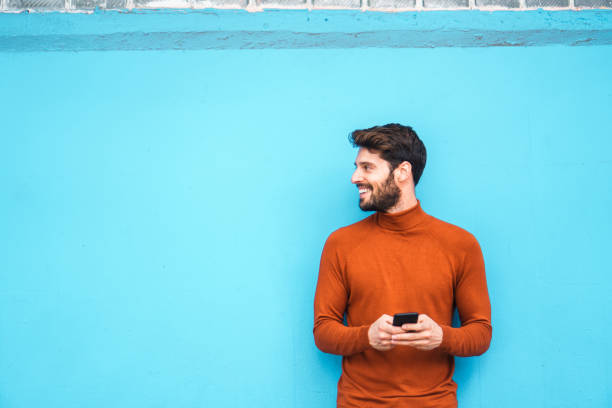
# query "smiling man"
(398, 260)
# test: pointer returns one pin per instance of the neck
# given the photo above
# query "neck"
(407, 200)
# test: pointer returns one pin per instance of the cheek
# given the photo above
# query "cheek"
(375, 186)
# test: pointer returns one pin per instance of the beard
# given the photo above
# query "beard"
(383, 197)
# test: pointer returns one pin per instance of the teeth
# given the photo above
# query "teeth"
(362, 190)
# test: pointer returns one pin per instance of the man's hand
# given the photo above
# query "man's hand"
(425, 334)
(380, 333)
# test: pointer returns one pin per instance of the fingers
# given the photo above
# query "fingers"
(413, 327)
(421, 335)
(383, 340)
(380, 333)
(426, 321)
(385, 336)
(415, 333)
(423, 323)
(385, 324)
(426, 334)
(390, 329)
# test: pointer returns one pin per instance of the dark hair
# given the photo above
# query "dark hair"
(395, 144)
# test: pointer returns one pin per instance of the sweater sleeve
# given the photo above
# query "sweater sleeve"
(472, 301)
(331, 297)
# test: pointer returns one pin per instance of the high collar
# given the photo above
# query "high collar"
(403, 220)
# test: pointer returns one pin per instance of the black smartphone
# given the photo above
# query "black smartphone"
(403, 318)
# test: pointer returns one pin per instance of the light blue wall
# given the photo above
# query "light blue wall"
(163, 215)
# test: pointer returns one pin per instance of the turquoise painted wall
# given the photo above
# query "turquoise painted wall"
(163, 214)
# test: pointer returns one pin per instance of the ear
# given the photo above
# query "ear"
(403, 173)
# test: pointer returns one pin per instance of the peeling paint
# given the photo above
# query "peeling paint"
(202, 30)
(583, 42)
(216, 40)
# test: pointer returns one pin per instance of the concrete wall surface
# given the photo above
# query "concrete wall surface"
(87, 6)
(164, 208)
(296, 29)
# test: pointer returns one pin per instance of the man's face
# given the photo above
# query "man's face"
(373, 178)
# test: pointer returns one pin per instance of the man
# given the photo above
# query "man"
(398, 260)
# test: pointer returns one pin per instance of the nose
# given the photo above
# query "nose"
(356, 177)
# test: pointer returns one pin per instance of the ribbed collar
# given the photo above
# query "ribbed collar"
(403, 220)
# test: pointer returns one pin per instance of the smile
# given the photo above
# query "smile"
(363, 191)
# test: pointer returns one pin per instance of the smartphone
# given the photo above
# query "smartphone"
(403, 318)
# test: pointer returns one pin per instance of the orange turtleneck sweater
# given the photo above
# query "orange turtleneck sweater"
(395, 263)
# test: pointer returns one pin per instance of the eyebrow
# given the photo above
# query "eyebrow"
(364, 162)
